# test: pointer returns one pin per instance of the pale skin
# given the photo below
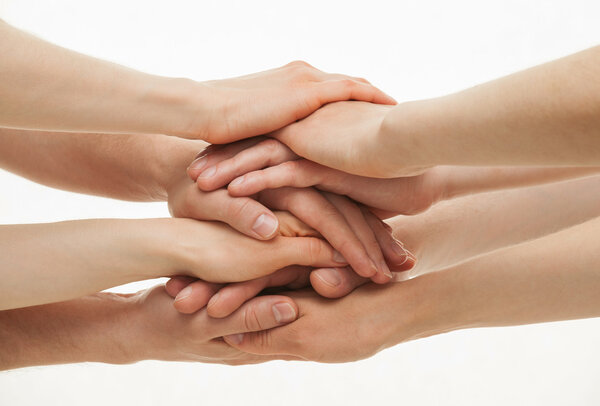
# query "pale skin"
(385, 197)
(118, 329)
(46, 87)
(548, 115)
(152, 168)
(508, 286)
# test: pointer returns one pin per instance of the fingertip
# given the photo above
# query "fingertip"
(176, 284)
(266, 226)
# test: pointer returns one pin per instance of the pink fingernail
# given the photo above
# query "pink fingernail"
(208, 172)
(265, 225)
(184, 294)
(400, 252)
(330, 276)
(237, 181)
(284, 313)
(338, 257)
(198, 163)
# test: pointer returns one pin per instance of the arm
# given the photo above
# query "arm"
(138, 167)
(457, 230)
(152, 167)
(545, 116)
(553, 278)
(119, 329)
(44, 263)
(448, 234)
(44, 86)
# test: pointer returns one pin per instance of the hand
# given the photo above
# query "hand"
(243, 170)
(361, 238)
(266, 101)
(345, 136)
(344, 329)
(163, 333)
(215, 252)
(221, 300)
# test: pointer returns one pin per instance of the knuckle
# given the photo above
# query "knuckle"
(348, 83)
(299, 63)
(237, 207)
(251, 320)
(263, 339)
(314, 249)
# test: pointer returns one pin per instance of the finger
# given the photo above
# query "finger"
(306, 251)
(266, 153)
(276, 341)
(232, 296)
(299, 173)
(260, 313)
(195, 296)
(315, 210)
(177, 283)
(398, 258)
(292, 226)
(348, 89)
(214, 154)
(355, 218)
(335, 282)
(242, 213)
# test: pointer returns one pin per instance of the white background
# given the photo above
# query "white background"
(410, 49)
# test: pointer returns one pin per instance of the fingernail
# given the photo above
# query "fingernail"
(184, 293)
(237, 181)
(385, 270)
(208, 172)
(213, 300)
(400, 252)
(198, 163)
(284, 312)
(374, 268)
(265, 225)
(387, 226)
(235, 338)
(338, 257)
(330, 276)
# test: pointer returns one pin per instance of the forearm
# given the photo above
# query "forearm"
(548, 115)
(121, 166)
(43, 263)
(462, 228)
(97, 328)
(553, 278)
(44, 86)
(461, 181)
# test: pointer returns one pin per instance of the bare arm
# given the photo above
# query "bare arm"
(459, 229)
(118, 329)
(553, 278)
(548, 115)
(46, 87)
(122, 166)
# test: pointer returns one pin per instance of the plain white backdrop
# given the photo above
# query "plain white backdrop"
(411, 50)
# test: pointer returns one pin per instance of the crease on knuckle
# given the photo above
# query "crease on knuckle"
(251, 320)
(237, 207)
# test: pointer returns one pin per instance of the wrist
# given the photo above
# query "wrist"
(404, 138)
(432, 304)
(175, 106)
